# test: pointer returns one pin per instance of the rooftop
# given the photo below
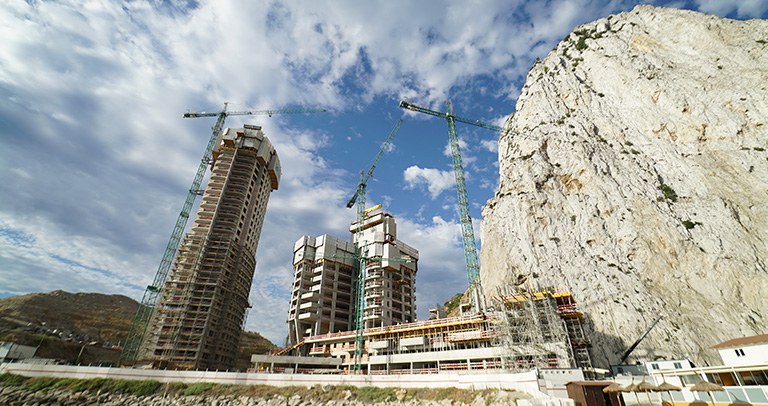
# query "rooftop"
(743, 341)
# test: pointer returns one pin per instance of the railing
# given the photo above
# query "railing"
(319, 349)
(415, 325)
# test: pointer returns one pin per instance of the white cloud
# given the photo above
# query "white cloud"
(490, 145)
(442, 271)
(435, 180)
(743, 8)
(37, 253)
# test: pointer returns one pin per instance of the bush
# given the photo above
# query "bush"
(142, 388)
(88, 385)
(668, 192)
(375, 395)
(41, 383)
(129, 387)
(64, 383)
(581, 44)
(12, 380)
(175, 388)
(198, 388)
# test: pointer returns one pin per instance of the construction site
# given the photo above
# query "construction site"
(541, 329)
(518, 331)
(353, 301)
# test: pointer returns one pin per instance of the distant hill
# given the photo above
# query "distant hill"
(87, 316)
(61, 324)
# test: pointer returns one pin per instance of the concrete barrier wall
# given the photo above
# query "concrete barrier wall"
(525, 382)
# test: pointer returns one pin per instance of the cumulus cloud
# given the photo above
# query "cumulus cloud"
(490, 145)
(441, 272)
(435, 180)
(742, 8)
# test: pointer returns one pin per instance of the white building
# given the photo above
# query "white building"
(667, 365)
(744, 351)
(11, 352)
(323, 297)
(743, 376)
(390, 274)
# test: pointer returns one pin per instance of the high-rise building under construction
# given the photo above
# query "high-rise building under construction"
(324, 298)
(202, 307)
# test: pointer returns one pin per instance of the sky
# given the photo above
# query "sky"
(96, 159)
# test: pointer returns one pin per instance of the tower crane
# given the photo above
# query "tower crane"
(359, 195)
(467, 233)
(360, 250)
(138, 330)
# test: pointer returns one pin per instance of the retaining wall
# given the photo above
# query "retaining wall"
(525, 382)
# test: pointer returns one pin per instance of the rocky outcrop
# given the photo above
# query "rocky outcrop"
(15, 395)
(636, 174)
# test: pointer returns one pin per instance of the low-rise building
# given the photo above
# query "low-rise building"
(12, 352)
(743, 375)
(528, 330)
(744, 351)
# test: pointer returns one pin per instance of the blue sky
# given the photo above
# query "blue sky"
(96, 157)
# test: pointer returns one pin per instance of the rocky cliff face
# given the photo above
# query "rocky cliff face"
(636, 174)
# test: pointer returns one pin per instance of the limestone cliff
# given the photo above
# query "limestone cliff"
(636, 174)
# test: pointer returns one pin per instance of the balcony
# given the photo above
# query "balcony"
(310, 295)
(373, 314)
(309, 305)
(373, 303)
(319, 350)
(308, 316)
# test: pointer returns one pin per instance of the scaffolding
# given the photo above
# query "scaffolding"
(542, 329)
(202, 306)
(522, 330)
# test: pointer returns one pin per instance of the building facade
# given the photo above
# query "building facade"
(390, 271)
(202, 307)
(324, 295)
(321, 297)
(752, 350)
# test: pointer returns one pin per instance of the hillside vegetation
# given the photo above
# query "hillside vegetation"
(85, 328)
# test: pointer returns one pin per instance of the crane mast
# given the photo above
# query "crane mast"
(467, 232)
(360, 192)
(137, 333)
(362, 251)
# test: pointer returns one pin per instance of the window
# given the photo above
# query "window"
(714, 378)
(655, 366)
(689, 379)
(760, 377)
(739, 352)
(678, 365)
